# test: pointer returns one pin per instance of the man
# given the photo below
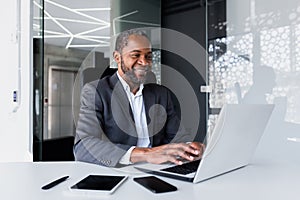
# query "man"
(123, 121)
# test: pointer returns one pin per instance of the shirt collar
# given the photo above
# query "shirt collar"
(127, 88)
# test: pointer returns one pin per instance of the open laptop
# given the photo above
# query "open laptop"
(231, 145)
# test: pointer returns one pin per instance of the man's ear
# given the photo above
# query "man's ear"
(117, 57)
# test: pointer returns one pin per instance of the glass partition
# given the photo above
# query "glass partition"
(72, 42)
(38, 77)
(249, 53)
(253, 58)
(69, 37)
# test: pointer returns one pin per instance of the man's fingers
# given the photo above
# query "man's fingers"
(195, 145)
(180, 151)
(176, 152)
(174, 160)
(198, 146)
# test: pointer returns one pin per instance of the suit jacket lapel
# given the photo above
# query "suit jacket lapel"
(121, 108)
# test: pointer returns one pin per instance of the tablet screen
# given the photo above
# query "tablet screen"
(99, 182)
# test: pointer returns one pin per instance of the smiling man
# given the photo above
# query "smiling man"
(124, 121)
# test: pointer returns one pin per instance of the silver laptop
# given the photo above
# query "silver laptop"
(231, 145)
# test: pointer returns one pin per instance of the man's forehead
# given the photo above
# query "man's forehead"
(137, 44)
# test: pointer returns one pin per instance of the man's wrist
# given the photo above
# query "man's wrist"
(139, 154)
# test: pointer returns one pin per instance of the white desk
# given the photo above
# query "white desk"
(259, 181)
(274, 174)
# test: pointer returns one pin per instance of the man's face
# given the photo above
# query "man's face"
(136, 59)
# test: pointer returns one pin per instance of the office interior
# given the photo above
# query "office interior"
(208, 52)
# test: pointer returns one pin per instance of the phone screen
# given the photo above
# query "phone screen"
(155, 184)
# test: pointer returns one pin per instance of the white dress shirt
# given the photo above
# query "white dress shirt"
(138, 109)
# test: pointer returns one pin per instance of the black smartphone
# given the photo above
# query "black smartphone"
(155, 184)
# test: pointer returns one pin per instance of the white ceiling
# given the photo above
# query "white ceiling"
(83, 24)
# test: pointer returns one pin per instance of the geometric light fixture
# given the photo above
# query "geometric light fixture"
(70, 24)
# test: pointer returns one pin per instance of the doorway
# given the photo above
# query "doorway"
(59, 120)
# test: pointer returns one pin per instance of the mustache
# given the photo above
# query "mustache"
(143, 69)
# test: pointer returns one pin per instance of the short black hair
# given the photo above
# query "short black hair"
(122, 39)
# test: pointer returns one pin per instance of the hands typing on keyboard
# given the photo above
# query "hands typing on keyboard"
(176, 153)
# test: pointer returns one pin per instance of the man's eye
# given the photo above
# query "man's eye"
(135, 55)
(149, 57)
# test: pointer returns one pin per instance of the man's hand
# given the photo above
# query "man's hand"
(174, 152)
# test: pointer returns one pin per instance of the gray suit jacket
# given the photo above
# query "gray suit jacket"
(106, 129)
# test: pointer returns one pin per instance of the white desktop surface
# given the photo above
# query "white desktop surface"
(259, 181)
(273, 174)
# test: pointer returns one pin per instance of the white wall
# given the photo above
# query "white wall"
(15, 117)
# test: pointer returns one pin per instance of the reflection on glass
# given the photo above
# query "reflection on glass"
(74, 38)
(266, 39)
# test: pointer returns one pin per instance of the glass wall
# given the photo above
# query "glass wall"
(256, 60)
(72, 46)
(243, 51)
(72, 40)
(38, 77)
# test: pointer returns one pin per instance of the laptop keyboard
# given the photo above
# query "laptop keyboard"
(185, 168)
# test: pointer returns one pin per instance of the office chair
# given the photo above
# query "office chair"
(58, 149)
(108, 71)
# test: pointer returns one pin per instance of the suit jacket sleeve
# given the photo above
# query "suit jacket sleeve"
(91, 144)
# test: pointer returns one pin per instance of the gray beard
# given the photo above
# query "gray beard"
(130, 75)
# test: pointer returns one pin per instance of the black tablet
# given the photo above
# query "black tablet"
(98, 184)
